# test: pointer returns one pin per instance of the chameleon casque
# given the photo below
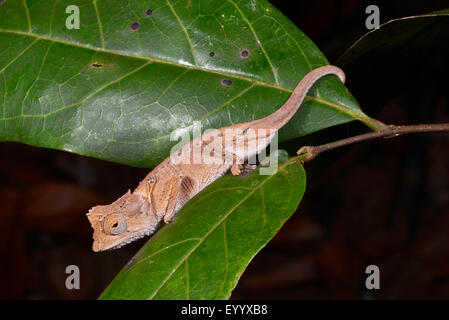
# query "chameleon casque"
(177, 179)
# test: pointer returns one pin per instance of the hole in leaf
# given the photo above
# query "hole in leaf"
(226, 82)
(135, 26)
(96, 65)
(244, 53)
(149, 12)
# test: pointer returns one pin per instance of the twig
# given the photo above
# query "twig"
(308, 153)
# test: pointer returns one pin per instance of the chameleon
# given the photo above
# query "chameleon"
(178, 178)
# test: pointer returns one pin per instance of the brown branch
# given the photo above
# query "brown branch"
(308, 153)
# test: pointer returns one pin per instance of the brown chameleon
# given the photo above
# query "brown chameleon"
(178, 178)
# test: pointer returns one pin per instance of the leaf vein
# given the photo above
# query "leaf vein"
(155, 254)
(19, 55)
(100, 26)
(27, 12)
(195, 62)
(257, 41)
(187, 280)
(225, 243)
(79, 102)
(35, 80)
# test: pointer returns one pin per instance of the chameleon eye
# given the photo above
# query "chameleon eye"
(114, 224)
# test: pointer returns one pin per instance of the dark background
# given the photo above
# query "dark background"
(381, 202)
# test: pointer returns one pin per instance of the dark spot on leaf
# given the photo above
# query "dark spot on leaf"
(244, 53)
(226, 82)
(149, 12)
(212, 54)
(96, 65)
(135, 26)
(131, 262)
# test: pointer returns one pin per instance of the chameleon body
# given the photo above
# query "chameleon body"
(177, 179)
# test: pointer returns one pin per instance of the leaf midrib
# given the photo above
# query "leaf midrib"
(188, 66)
(356, 114)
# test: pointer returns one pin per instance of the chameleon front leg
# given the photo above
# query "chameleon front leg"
(172, 199)
(168, 196)
(182, 191)
(164, 196)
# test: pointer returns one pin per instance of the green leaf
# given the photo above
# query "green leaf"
(397, 39)
(204, 251)
(111, 92)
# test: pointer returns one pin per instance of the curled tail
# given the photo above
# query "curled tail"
(279, 118)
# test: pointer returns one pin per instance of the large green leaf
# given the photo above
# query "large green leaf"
(203, 252)
(108, 91)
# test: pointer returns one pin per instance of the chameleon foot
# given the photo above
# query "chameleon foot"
(236, 170)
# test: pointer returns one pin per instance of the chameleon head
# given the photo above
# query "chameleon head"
(120, 222)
